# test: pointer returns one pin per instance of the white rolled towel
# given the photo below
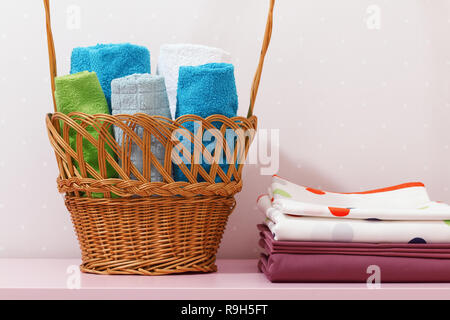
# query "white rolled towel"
(173, 56)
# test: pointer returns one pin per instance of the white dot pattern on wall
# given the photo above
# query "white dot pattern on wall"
(336, 87)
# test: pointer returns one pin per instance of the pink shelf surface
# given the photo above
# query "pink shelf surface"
(235, 280)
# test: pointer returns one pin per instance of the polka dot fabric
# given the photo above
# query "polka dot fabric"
(407, 201)
(372, 230)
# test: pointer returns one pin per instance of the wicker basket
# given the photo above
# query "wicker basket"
(137, 226)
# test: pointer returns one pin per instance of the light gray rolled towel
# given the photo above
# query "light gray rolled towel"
(141, 93)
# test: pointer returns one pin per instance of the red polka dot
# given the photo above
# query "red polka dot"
(339, 212)
(316, 191)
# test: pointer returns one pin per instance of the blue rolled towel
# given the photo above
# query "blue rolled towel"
(204, 91)
(110, 61)
(147, 94)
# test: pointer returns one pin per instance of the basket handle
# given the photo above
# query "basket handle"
(256, 79)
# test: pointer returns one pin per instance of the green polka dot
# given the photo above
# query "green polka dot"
(282, 193)
(447, 222)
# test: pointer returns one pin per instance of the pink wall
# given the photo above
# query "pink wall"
(357, 90)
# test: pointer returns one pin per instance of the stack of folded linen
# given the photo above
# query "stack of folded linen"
(315, 236)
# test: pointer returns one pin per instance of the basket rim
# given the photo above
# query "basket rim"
(72, 181)
(130, 188)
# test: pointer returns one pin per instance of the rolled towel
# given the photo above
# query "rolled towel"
(111, 61)
(143, 93)
(204, 91)
(81, 92)
(173, 56)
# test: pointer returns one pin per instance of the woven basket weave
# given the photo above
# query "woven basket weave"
(137, 226)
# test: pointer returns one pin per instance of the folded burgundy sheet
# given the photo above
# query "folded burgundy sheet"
(271, 246)
(351, 268)
(364, 252)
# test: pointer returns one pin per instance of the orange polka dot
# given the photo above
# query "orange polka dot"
(316, 191)
(339, 212)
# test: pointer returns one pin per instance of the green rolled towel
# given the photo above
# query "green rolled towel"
(81, 92)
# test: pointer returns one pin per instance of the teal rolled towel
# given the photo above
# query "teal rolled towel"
(110, 61)
(204, 91)
(81, 92)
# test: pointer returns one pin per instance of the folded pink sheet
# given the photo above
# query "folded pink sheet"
(330, 268)
(271, 246)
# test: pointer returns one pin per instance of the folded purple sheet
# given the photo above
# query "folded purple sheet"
(331, 268)
(271, 246)
(294, 261)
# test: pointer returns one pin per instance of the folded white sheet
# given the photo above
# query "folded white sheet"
(408, 201)
(296, 228)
